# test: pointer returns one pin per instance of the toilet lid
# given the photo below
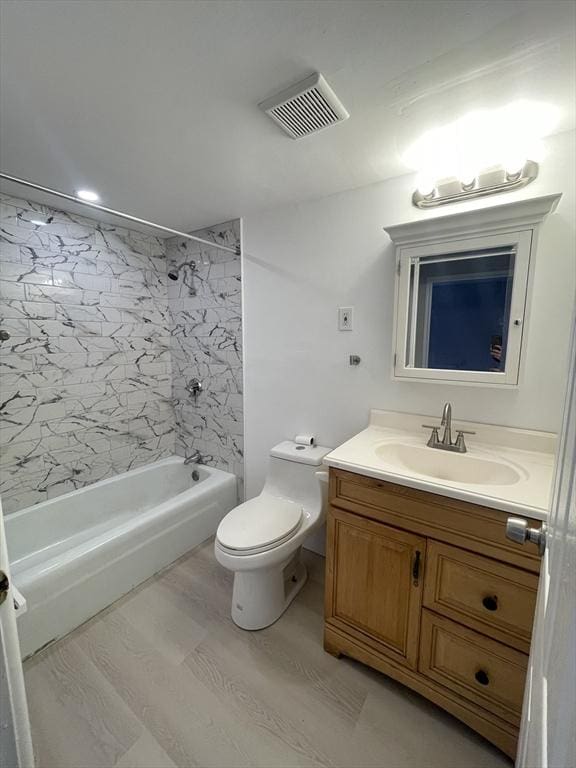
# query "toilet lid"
(258, 523)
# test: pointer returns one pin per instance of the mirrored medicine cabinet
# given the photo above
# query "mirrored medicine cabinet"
(463, 291)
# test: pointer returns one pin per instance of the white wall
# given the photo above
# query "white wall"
(303, 261)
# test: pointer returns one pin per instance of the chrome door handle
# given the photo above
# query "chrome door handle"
(517, 530)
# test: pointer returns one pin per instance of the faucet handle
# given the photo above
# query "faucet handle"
(433, 440)
(431, 426)
(460, 445)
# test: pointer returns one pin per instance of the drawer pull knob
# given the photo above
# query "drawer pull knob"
(482, 677)
(490, 603)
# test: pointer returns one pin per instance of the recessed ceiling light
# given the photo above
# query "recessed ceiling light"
(88, 195)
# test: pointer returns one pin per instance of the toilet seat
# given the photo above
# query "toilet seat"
(258, 525)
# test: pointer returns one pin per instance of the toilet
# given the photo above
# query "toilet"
(261, 540)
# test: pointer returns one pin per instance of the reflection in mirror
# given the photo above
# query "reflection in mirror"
(460, 310)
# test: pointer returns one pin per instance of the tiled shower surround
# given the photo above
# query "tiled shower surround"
(206, 343)
(86, 376)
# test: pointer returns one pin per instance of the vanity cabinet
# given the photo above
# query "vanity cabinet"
(428, 590)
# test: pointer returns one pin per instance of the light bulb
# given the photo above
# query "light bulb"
(467, 175)
(537, 151)
(513, 165)
(482, 139)
(425, 185)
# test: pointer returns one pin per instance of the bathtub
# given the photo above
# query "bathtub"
(74, 555)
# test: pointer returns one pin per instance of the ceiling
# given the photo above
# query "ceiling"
(154, 104)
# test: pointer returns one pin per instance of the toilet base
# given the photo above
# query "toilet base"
(261, 596)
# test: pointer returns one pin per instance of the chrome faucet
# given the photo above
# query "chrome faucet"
(447, 424)
(446, 444)
(195, 458)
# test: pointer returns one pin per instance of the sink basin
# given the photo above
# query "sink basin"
(443, 465)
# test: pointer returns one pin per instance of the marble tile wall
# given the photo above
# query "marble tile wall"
(206, 343)
(85, 377)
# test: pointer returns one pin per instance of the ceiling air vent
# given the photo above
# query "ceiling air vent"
(306, 107)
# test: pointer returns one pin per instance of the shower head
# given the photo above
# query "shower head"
(188, 279)
(174, 274)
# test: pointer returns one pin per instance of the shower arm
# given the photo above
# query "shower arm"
(174, 274)
(32, 185)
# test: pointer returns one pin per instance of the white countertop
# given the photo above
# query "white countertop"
(528, 452)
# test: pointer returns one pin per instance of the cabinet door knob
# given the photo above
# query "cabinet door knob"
(482, 677)
(490, 603)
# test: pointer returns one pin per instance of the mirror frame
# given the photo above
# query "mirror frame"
(521, 241)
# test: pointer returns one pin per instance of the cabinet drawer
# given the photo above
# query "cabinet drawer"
(459, 523)
(489, 596)
(484, 672)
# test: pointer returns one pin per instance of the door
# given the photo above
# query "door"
(376, 588)
(15, 741)
(548, 732)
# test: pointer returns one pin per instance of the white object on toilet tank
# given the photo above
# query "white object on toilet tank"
(305, 439)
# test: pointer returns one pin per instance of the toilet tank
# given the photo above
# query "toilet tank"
(292, 472)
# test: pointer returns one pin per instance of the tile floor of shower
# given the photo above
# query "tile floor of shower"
(164, 678)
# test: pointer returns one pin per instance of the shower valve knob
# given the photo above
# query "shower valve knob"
(4, 335)
(194, 387)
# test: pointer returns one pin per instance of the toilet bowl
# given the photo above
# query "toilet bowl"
(261, 540)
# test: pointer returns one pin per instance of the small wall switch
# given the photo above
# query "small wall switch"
(345, 318)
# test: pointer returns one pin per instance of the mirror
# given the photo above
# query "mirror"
(460, 309)
(460, 306)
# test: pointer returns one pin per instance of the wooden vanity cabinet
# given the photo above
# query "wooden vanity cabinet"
(428, 590)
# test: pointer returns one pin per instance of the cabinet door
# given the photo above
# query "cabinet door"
(374, 584)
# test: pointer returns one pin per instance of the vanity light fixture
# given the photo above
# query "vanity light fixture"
(38, 223)
(481, 153)
(88, 195)
(488, 183)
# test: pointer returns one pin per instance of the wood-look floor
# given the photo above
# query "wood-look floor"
(164, 678)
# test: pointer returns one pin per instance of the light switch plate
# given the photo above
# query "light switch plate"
(345, 317)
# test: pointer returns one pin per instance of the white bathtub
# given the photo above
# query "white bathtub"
(74, 555)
